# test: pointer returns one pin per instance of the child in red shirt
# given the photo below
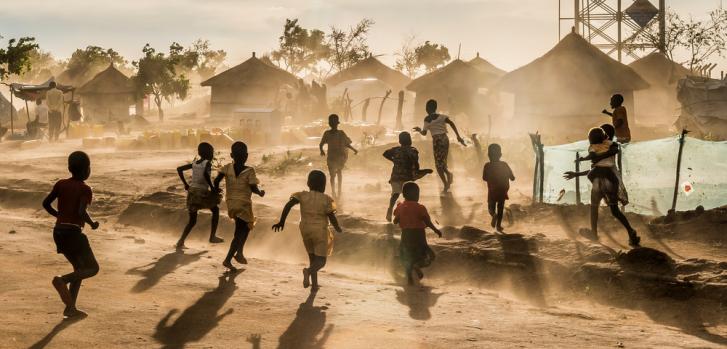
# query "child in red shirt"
(498, 175)
(73, 197)
(413, 218)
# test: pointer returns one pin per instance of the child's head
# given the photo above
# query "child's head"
(410, 190)
(79, 165)
(609, 130)
(39, 101)
(405, 138)
(52, 84)
(317, 181)
(239, 152)
(206, 151)
(617, 100)
(596, 135)
(494, 152)
(333, 121)
(431, 106)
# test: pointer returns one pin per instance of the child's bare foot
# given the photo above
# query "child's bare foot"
(306, 278)
(180, 245)
(240, 259)
(389, 212)
(419, 273)
(216, 240)
(493, 222)
(73, 312)
(500, 229)
(229, 265)
(62, 289)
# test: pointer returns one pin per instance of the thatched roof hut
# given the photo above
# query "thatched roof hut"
(658, 104)
(454, 86)
(250, 84)
(482, 64)
(371, 68)
(107, 96)
(572, 82)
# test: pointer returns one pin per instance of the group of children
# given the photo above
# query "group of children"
(318, 210)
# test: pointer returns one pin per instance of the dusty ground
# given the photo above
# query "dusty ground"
(148, 295)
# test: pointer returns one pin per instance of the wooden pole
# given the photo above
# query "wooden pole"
(679, 165)
(537, 165)
(381, 107)
(400, 111)
(542, 169)
(365, 108)
(12, 108)
(578, 179)
(27, 111)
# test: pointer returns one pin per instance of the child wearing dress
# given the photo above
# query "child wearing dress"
(317, 209)
(201, 194)
(413, 219)
(240, 183)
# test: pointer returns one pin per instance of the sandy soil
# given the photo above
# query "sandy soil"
(149, 295)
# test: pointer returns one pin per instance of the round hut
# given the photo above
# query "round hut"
(107, 96)
(658, 105)
(569, 86)
(485, 66)
(371, 68)
(250, 84)
(455, 87)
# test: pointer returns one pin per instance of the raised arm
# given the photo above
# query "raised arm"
(456, 132)
(607, 112)
(286, 210)
(180, 172)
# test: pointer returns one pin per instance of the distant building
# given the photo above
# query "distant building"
(107, 96)
(485, 66)
(562, 93)
(658, 104)
(371, 68)
(251, 84)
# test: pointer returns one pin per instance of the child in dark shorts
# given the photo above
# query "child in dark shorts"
(406, 168)
(201, 193)
(498, 175)
(413, 219)
(73, 197)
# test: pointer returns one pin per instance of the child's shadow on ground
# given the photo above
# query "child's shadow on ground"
(526, 276)
(200, 318)
(419, 299)
(43, 342)
(452, 211)
(308, 322)
(156, 270)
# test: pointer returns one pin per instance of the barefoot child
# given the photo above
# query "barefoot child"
(316, 210)
(406, 168)
(73, 197)
(338, 145)
(619, 119)
(605, 186)
(413, 219)
(498, 175)
(240, 183)
(201, 194)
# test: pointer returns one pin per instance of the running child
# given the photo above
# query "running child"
(201, 194)
(498, 175)
(619, 119)
(406, 168)
(338, 145)
(316, 210)
(73, 196)
(413, 219)
(240, 183)
(605, 186)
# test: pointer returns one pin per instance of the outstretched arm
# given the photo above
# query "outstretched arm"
(180, 172)
(334, 221)
(571, 174)
(430, 225)
(607, 112)
(456, 132)
(255, 189)
(286, 210)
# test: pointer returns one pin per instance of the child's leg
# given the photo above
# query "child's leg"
(240, 231)
(595, 202)
(306, 271)
(317, 264)
(443, 176)
(340, 181)
(392, 202)
(491, 206)
(616, 212)
(332, 174)
(192, 222)
(408, 268)
(242, 228)
(215, 220)
(84, 267)
(500, 210)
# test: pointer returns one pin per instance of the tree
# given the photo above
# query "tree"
(157, 75)
(93, 59)
(15, 58)
(431, 56)
(42, 66)
(673, 34)
(406, 58)
(349, 47)
(208, 60)
(299, 48)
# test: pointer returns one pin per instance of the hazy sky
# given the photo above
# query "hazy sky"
(509, 33)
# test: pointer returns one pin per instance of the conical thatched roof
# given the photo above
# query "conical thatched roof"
(370, 68)
(572, 65)
(77, 77)
(453, 75)
(486, 66)
(252, 72)
(109, 81)
(659, 70)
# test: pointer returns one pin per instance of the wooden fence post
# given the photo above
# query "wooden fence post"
(542, 169)
(679, 165)
(400, 111)
(578, 179)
